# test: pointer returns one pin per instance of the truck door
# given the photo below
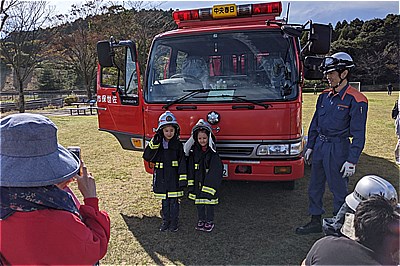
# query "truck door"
(118, 93)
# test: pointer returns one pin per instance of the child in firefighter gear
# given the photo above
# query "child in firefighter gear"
(341, 113)
(205, 171)
(366, 187)
(165, 155)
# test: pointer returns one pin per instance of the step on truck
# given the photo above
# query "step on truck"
(239, 67)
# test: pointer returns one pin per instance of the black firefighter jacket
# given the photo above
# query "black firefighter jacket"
(169, 167)
(205, 171)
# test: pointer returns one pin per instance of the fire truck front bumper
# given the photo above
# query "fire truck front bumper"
(266, 170)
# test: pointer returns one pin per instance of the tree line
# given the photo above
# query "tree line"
(62, 48)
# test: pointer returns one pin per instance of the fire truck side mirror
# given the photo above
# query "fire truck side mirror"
(311, 68)
(320, 36)
(104, 54)
(291, 31)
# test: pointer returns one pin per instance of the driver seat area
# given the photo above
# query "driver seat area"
(196, 66)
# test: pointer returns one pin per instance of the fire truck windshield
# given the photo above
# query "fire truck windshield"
(259, 65)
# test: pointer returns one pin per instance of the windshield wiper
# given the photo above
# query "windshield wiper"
(242, 99)
(186, 96)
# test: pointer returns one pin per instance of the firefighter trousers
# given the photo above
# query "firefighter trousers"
(170, 210)
(205, 212)
(327, 161)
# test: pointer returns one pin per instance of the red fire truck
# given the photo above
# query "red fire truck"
(237, 66)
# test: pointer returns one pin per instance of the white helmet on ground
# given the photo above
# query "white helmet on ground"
(371, 185)
(337, 62)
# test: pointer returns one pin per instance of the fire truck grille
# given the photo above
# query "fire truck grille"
(237, 151)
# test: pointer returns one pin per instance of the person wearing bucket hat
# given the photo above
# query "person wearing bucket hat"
(369, 185)
(376, 238)
(165, 156)
(40, 222)
(340, 115)
(205, 170)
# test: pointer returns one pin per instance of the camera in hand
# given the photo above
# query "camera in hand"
(76, 150)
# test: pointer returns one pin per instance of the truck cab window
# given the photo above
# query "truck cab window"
(123, 75)
(259, 65)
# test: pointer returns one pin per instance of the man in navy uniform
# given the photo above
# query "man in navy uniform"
(341, 113)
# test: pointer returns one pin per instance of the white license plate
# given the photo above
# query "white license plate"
(225, 172)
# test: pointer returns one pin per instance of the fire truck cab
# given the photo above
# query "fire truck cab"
(238, 67)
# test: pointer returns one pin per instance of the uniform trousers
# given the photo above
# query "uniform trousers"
(170, 210)
(205, 212)
(328, 157)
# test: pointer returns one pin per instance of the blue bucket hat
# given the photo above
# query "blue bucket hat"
(30, 155)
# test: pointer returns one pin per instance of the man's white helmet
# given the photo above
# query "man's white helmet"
(167, 118)
(371, 185)
(337, 62)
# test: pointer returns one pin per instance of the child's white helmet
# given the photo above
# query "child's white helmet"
(166, 119)
(202, 124)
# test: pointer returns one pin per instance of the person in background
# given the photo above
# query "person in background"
(205, 171)
(390, 88)
(341, 114)
(376, 224)
(315, 89)
(40, 223)
(397, 130)
(165, 155)
(367, 186)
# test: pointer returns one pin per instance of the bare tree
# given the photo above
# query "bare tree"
(24, 40)
(146, 24)
(76, 42)
(5, 6)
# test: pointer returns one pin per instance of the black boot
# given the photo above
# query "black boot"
(174, 226)
(315, 226)
(164, 226)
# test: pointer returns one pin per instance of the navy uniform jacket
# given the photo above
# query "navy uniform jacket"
(205, 171)
(341, 115)
(169, 175)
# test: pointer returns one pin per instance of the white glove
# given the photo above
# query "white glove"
(349, 169)
(307, 156)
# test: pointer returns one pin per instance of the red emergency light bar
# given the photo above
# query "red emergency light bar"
(228, 11)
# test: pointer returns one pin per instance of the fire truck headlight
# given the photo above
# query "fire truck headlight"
(280, 149)
(296, 148)
(273, 149)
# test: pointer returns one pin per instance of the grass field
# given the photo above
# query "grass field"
(255, 222)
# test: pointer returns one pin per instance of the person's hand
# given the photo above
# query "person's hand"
(86, 183)
(156, 139)
(348, 169)
(307, 156)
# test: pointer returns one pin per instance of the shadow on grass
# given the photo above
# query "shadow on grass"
(255, 224)
(371, 165)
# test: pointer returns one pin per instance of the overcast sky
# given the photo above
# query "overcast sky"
(300, 11)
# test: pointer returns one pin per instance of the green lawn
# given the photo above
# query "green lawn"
(255, 222)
